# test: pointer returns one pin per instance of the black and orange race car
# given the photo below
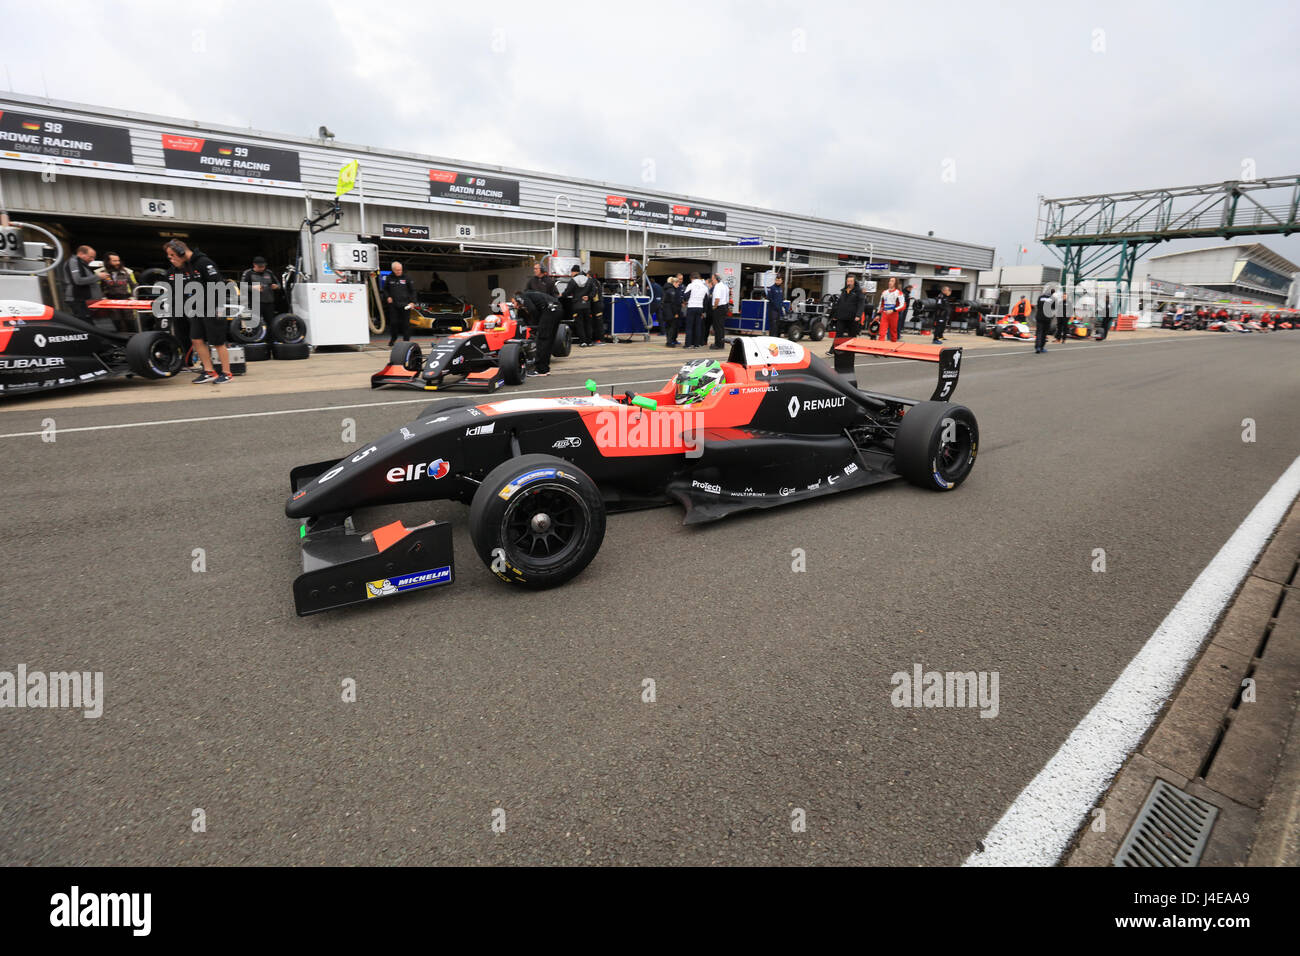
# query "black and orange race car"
(496, 350)
(539, 474)
(1004, 326)
(43, 349)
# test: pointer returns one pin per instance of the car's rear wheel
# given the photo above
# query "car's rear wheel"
(153, 355)
(794, 331)
(247, 334)
(563, 343)
(817, 330)
(407, 355)
(537, 521)
(288, 328)
(511, 361)
(936, 444)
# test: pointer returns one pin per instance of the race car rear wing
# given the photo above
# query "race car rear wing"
(949, 360)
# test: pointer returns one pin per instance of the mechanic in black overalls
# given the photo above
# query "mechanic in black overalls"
(399, 293)
(543, 312)
(264, 281)
(1063, 318)
(942, 312)
(847, 312)
(1044, 313)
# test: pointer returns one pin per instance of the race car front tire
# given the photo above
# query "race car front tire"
(286, 351)
(936, 444)
(563, 343)
(537, 521)
(288, 329)
(257, 352)
(153, 355)
(511, 361)
(407, 355)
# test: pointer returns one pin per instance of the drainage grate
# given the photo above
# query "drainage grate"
(1171, 830)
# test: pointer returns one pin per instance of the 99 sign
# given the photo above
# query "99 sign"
(11, 243)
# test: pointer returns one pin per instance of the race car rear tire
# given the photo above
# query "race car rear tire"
(817, 330)
(537, 521)
(286, 351)
(407, 355)
(153, 355)
(247, 336)
(563, 343)
(288, 329)
(794, 331)
(257, 352)
(927, 453)
(511, 361)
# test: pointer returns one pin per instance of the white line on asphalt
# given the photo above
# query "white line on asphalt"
(302, 411)
(416, 401)
(1038, 826)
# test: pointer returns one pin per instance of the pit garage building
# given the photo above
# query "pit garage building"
(127, 182)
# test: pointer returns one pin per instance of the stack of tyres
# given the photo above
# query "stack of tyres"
(289, 337)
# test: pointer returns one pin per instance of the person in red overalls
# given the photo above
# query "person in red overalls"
(891, 307)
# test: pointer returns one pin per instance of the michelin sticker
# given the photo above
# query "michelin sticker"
(386, 587)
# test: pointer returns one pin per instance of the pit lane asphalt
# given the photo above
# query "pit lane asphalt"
(773, 687)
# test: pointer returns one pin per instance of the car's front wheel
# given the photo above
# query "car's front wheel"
(537, 521)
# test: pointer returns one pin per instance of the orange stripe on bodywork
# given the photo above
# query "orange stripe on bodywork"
(398, 371)
(389, 535)
(487, 373)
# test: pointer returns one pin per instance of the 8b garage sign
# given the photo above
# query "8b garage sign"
(42, 137)
(240, 162)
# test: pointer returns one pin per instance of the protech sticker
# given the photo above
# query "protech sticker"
(385, 587)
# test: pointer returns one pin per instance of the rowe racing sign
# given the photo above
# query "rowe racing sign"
(46, 138)
(230, 161)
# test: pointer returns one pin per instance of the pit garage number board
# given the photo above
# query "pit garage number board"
(11, 243)
(354, 256)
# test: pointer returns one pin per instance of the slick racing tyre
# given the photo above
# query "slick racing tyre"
(247, 334)
(935, 445)
(150, 277)
(563, 343)
(283, 350)
(407, 355)
(288, 328)
(511, 361)
(794, 331)
(537, 521)
(153, 355)
(817, 330)
(257, 352)
(979, 328)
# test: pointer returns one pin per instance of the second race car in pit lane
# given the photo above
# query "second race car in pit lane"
(41, 349)
(770, 426)
(497, 350)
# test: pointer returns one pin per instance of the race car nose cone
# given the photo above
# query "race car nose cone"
(541, 523)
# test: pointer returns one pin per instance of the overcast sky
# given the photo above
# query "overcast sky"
(850, 111)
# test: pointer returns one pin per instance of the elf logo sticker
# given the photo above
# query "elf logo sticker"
(438, 468)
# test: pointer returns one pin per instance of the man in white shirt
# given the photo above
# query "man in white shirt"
(721, 306)
(697, 293)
